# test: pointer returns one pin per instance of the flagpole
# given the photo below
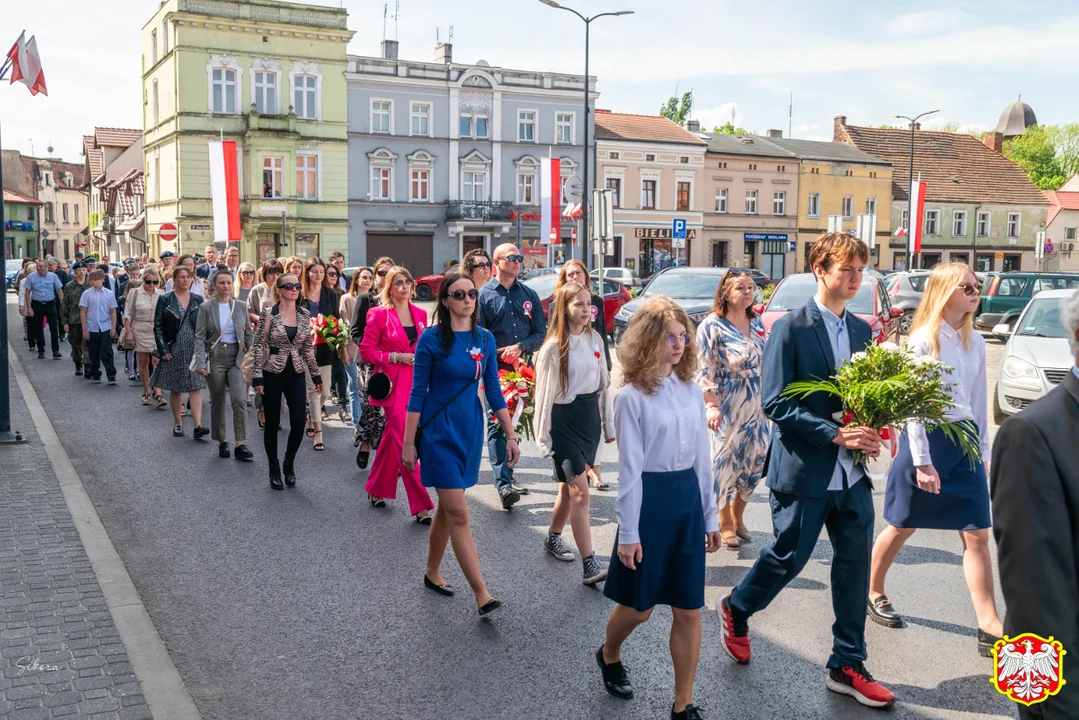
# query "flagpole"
(6, 435)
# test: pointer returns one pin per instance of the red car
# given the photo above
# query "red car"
(427, 287)
(870, 304)
(614, 295)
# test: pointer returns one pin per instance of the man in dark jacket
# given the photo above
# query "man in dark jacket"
(71, 320)
(1034, 484)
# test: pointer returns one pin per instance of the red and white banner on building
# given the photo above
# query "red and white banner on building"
(26, 65)
(917, 194)
(225, 190)
(551, 201)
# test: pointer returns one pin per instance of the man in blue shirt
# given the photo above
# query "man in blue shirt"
(97, 310)
(42, 294)
(513, 314)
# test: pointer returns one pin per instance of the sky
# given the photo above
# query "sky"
(867, 61)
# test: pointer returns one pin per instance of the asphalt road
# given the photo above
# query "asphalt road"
(309, 603)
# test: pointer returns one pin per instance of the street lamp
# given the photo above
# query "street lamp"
(910, 195)
(587, 186)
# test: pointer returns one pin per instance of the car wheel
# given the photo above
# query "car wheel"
(906, 320)
(999, 416)
(423, 293)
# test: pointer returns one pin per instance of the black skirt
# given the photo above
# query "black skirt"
(575, 435)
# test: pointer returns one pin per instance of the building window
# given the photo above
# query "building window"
(683, 189)
(48, 212)
(306, 245)
(421, 186)
(474, 186)
(481, 124)
(751, 202)
(649, 157)
(526, 186)
(307, 177)
(684, 159)
(753, 166)
(648, 194)
(154, 96)
(781, 168)
(1069, 233)
(848, 206)
(723, 166)
(30, 213)
(959, 223)
(421, 119)
(157, 179)
(563, 128)
(153, 47)
(903, 220)
(850, 173)
(983, 224)
(813, 205)
(1013, 225)
(273, 179)
(872, 174)
(305, 96)
(64, 211)
(932, 222)
(615, 186)
(721, 200)
(380, 116)
(77, 217)
(381, 182)
(223, 91)
(164, 38)
(526, 126)
(613, 154)
(265, 88)
(871, 205)
(779, 203)
(465, 129)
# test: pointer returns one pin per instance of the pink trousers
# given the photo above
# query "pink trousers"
(387, 467)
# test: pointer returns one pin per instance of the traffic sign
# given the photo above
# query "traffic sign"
(167, 232)
(1048, 247)
(44, 234)
(678, 229)
(574, 189)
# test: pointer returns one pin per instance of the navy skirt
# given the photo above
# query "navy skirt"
(963, 501)
(671, 528)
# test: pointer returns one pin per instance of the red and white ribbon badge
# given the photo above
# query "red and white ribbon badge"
(477, 355)
(528, 309)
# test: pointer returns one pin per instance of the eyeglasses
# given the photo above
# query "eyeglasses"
(462, 294)
(673, 339)
(365, 278)
(290, 286)
(512, 258)
(381, 273)
(149, 282)
(402, 283)
(247, 272)
(969, 289)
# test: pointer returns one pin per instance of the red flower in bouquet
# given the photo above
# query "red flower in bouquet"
(519, 389)
(330, 331)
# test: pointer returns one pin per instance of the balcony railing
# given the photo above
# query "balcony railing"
(479, 210)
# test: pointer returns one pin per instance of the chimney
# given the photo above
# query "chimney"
(775, 133)
(917, 126)
(694, 126)
(389, 49)
(444, 53)
(994, 141)
(838, 132)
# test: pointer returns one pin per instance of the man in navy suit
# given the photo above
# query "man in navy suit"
(813, 480)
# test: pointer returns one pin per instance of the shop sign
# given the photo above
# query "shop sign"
(782, 237)
(663, 233)
(200, 227)
(525, 217)
(21, 225)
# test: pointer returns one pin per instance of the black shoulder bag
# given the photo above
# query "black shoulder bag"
(419, 430)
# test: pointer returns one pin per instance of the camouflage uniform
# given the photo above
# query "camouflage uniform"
(69, 315)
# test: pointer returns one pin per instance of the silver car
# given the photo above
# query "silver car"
(1037, 357)
(905, 289)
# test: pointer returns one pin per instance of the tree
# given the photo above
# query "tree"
(728, 128)
(1065, 139)
(677, 110)
(1036, 152)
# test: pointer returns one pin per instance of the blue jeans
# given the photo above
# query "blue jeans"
(496, 452)
(354, 394)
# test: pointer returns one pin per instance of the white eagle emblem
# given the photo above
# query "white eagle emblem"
(1028, 668)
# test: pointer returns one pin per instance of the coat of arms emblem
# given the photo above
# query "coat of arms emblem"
(1028, 668)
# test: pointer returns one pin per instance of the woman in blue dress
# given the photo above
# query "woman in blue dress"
(451, 360)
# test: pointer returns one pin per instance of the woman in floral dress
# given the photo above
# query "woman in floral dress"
(730, 344)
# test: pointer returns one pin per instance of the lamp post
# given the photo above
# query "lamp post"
(910, 195)
(587, 185)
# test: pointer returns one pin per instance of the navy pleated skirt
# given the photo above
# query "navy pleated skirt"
(963, 501)
(671, 528)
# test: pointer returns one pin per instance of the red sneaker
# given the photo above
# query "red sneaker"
(735, 633)
(855, 680)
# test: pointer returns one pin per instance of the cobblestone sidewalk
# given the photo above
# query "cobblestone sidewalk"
(60, 651)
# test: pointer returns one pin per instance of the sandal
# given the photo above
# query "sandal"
(262, 419)
(344, 416)
(325, 415)
(145, 399)
(160, 402)
(178, 431)
(424, 519)
(318, 443)
(310, 427)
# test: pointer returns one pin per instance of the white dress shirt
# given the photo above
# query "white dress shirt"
(224, 318)
(967, 378)
(587, 374)
(665, 432)
(839, 339)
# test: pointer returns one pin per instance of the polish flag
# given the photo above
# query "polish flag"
(26, 64)
(572, 211)
(225, 190)
(917, 194)
(550, 201)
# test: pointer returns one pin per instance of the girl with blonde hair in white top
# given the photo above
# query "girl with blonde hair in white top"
(932, 483)
(573, 405)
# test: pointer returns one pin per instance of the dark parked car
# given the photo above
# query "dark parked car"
(905, 290)
(615, 295)
(1008, 293)
(870, 304)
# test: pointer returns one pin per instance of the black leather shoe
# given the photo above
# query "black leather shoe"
(290, 472)
(509, 497)
(243, 453)
(443, 589)
(275, 476)
(223, 450)
(200, 432)
(41, 355)
(361, 459)
(489, 606)
(615, 677)
(882, 613)
(689, 713)
(986, 643)
(57, 355)
(78, 371)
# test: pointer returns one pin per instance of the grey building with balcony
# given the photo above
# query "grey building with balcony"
(445, 157)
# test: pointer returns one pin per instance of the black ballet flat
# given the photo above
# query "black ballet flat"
(362, 458)
(490, 606)
(424, 520)
(443, 589)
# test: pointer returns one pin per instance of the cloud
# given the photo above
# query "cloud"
(721, 115)
(928, 21)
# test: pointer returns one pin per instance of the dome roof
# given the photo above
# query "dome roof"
(1016, 118)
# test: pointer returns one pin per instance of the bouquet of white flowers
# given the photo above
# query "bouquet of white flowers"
(886, 386)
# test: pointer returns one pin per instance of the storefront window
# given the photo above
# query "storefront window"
(306, 245)
(266, 246)
(658, 255)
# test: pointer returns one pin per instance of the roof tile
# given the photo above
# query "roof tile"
(10, 196)
(644, 128)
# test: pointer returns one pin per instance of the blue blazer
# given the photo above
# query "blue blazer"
(802, 456)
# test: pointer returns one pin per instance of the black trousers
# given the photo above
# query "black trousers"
(80, 352)
(339, 382)
(46, 310)
(292, 386)
(101, 354)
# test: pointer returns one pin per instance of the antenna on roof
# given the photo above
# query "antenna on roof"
(790, 115)
(449, 38)
(438, 37)
(385, 13)
(396, 14)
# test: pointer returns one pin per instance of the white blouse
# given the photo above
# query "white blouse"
(587, 374)
(968, 386)
(224, 321)
(664, 432)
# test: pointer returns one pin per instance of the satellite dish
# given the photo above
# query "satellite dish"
(49, 149)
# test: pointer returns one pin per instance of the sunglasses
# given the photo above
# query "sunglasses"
(969, 289)
(673, 339)
(512, 258)
(290, 286)
(484, 265)
(247, 272)
(149, 282)
(381, 273)
(462, 294)
(402, 283)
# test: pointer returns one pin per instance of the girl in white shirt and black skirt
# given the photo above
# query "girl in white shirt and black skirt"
(666, 507)
(573, 405)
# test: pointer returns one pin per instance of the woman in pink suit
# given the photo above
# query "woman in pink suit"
(389, 344)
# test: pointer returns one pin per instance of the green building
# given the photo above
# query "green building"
(270, 76)
(21, 216)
